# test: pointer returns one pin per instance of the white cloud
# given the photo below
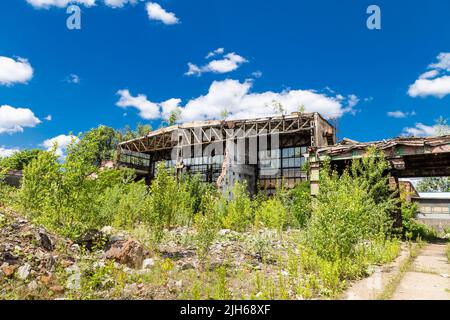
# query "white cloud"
(443, 61)
(429, 84)
(73, 78)
(257, 74)
(400, 114)
(214, 53)
(168, 106)
(239, 102)
(62, 142)
(439, 87)
(429, 74)
(59, 3)
(147, 110)
(48, 118)
(119, 3)
(5, 152)
(156, 12)
(420, 130)
(229, 62)
(353, 100)
(14, 71)
(15, 119)
(237, 99)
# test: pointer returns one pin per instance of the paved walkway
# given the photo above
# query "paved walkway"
(428, 278)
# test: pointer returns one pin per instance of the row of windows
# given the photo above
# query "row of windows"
(434, 209)
(293, 152)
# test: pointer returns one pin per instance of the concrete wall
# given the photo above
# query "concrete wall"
(438, 222)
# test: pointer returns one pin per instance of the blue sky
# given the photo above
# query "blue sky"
(129, 65)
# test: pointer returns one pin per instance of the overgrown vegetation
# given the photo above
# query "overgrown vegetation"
(324, 242)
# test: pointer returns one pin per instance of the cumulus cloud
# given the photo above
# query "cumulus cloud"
(156, 12)
(236, 99)
(5, 152)
(436, 81)
(439, 87)
(147, 110)
(14, 120)
(429, 74)
(257, 74)
(229, 62)
(119, 3)
(14, 71)
(400, 114)
(59, 3)
(39, 4)
(62, 142)
(215, 52)
(420, 130)
(73, 78)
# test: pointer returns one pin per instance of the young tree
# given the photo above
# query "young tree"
(19, 159)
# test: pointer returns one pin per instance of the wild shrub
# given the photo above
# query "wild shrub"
(123, 205)
(413, 229)
(238, 213)
(207, 224)
(351, 208)
(271, 214)
(41, 177)
(297, 202)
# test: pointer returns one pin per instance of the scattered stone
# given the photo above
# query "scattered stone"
(74, 280)
(129, 252)
(33, 285)
(9, 258)
(57, 289)
(75, 247)
(24, 271)
(91, 239)
(8, 271)
(67, 263)
(15, 226)
(187, 266)
(148, 263)
(45, 240)
(224, 232)
(108, 230)
(45, 279)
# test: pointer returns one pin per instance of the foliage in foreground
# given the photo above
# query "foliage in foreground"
(347, 228)
(351, 208)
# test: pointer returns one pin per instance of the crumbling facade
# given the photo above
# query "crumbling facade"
(264, 152)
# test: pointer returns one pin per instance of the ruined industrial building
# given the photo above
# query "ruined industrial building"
(264, 151)
(268, 152)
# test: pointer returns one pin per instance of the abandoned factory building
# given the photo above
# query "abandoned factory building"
(263, 151)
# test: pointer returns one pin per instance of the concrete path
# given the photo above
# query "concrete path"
(428, 278)
(371, 287)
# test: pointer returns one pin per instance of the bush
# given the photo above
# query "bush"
(271, 214)
(413, 229)
(207, 224)
(238, 212)
(351, 208)
(20, 159)
(297, 202)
